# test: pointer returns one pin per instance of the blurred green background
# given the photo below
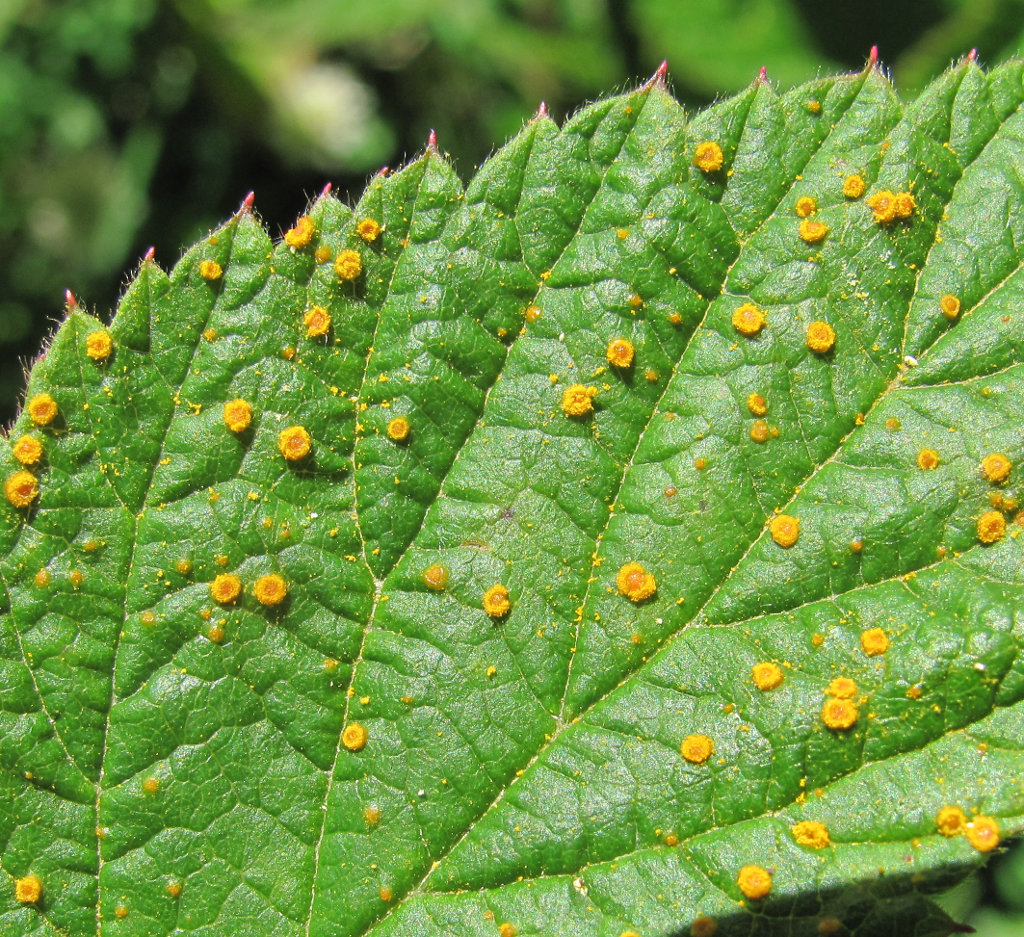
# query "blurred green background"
(131, 123)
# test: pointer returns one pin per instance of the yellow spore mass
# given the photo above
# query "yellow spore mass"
(883, 205)
(927, 459)
(759, 431)
(435, 577)
(270, 589)
(839, 713)
(28, 890)
(785, 530)
(812, 231)
(854, 186)
(757, 405)
(842, 688)
(317, 321)
(951, 821)
(620, 352)
(708, 156)
(982, 833)
(225, 588)
(703, 926)
(821, 337)
(754, 882)
(369, 229)
(21, 489)
(697, 749)
(399, 429)
(301, 234)
(210, 270)
(634, 582)
(949, 305)
(578, 400)
(27, 450)
(496, 601)
(805, 206)
(294, 443)
(766, 676)
(811, 833)
(506, 930)
(237, 415)
(748, 319)
(991, 527)
(355, 737)
(348, 265)
(904, 205)
(99, 345)
(996, 467)
(42, 409)
(874, 641)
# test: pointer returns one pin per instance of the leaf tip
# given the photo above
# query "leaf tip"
(326, 190)
(542, 111)
(873, 57)
(658, 79)
(247, 203)
(762, 75)
(972, 56)
(70, 303)
(149, 255)
(432, 141)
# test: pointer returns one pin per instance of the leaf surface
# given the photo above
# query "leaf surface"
(176, 760)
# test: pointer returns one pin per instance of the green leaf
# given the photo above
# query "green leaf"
(176, 760)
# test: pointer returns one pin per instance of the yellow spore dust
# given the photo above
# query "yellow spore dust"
(874, 641)
(28, 890)
(348, 265)
(173, 888)
(151, 785)
(996, 467)
(785, 530)
(766, 675)
(748, 319)
(99, 345)
(759, 431)
(435, 577)
(532, 313)
(27, 450)
(927, 459)
(322, 254)
(839, 713)
(210, 270)
(507, 930)
(708, 156)
(812, 231)
(21, 489)
(237, 415)
(225, 588)
(294, 443)
(42, 578)
(355, 736)
(42, 409)
(697, 749)
(904, 205)
(369, 229)
(301, 234)
(883, 204)
(949, 305)
(805, 206)
(951, 821)
(620, 352)
(854, 186)
(399, 429)
(215, 634)
(634, 582)
(317, 321)
(811, 833)
(703, 926)
(982, 833)
(842, 688)
(754, 881)
(496, 601)
(270, 589)
(757, 405)
(120, 911)
(991, 526)
(821, 337)
(371, 816)
(578, 400)
(629, 933)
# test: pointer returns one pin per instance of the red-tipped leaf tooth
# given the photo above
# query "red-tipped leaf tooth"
(873, 56)
(432, 140)
(657, 80)
(326, 190)
(150, 254)
(383, 171)
(542, 110)
(69, 300)
(247, 201)
(762, 75)
(972, 56)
